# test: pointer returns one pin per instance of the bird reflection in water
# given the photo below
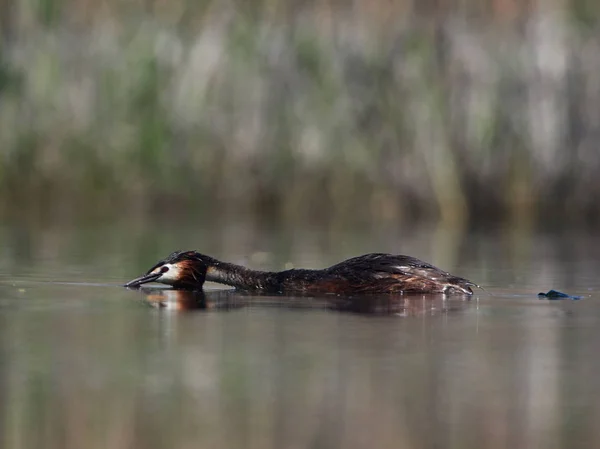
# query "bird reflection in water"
(224, 300)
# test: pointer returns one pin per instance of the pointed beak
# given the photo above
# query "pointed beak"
(143, 280)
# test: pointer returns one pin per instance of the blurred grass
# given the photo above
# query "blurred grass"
(377, 111)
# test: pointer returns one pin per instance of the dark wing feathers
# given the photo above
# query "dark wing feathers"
(386, 263)
(379, 265)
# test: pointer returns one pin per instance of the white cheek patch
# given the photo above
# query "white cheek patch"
(169, 276)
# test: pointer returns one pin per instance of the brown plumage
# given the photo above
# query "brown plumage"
(371, 273)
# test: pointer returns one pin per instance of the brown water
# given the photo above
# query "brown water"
(86, 363)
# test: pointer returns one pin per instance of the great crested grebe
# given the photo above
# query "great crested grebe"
(371, 273)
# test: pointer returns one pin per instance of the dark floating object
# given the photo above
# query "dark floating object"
(555, 294)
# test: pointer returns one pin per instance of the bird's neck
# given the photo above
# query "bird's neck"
(241, 277)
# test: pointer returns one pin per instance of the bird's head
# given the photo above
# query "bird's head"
(181, 269)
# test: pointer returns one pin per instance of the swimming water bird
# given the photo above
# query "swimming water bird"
(371, 273)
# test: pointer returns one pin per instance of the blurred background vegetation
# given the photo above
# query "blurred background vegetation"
(465, 111)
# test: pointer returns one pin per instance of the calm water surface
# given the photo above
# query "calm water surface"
(87, 363)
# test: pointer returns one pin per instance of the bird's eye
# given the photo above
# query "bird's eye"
(164, 269)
